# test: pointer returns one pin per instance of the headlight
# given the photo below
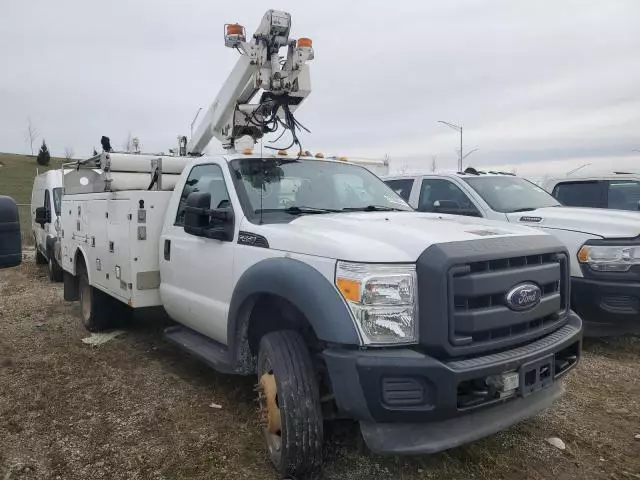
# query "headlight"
(602, 258)
(382, 299)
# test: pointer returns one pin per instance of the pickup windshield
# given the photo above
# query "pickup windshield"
(511, 194)
(279, 189)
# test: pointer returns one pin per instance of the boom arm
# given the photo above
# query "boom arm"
(231, 118)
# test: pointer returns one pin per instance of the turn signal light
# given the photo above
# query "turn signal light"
(282, 153)
(305, 42)
(247, 151)
(350, 289)
(583, 255)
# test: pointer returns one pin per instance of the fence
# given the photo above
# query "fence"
(24, 210)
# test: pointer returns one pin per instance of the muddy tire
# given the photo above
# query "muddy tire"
(40, 258)
(290, 405)
(55, 270)
(95, 305)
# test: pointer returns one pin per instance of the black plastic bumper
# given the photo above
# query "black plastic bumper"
(408, 402)
(607, 308)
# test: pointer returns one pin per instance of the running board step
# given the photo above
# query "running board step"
(209, 351)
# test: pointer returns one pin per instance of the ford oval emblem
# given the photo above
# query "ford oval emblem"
(523, 296)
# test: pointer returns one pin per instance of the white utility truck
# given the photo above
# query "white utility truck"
(604, 247)
(618, 191)
(430, 331)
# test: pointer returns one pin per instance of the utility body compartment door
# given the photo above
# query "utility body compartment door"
(117, 261)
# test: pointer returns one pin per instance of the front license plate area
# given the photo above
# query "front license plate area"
(536, 375)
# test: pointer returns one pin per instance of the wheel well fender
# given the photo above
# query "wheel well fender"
(300, 285)
(78, 255)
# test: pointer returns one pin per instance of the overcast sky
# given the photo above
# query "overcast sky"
(532, 81)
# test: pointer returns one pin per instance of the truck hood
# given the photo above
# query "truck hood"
(380, 236)
(598, 222)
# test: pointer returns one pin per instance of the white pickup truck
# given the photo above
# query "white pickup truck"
(429, 330)
(604, 246)
(618, 191)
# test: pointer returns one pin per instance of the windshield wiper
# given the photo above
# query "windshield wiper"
(295, 210)
(525, 209)
(373, 208)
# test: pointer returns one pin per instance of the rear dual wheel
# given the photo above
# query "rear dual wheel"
(98, 310)
(290, 405)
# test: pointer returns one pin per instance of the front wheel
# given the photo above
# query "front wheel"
(40, 258)
(290, 405)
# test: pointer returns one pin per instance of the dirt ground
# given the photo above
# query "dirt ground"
(138, 408)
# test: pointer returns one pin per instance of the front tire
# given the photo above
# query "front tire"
(95, 307)
(290, 405)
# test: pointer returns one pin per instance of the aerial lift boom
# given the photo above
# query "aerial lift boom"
(285, 83)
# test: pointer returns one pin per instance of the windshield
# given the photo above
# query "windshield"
(57, 200)
(511, 194)
(279, 189)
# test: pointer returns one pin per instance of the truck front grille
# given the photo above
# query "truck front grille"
(479, 315)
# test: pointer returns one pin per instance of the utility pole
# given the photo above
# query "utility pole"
(457, 128)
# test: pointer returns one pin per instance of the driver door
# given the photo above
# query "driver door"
(439, 195)
(196, 272)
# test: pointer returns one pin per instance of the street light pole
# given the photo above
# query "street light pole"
(470, 152)
(461, 156)
(457, 128)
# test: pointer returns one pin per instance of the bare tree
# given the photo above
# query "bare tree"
(434, 164)
(68, 153)
(128, 143)
(32, 134)
(403, 168)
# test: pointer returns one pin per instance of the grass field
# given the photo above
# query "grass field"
(16, 180)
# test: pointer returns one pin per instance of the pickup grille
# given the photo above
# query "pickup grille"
(479, 315)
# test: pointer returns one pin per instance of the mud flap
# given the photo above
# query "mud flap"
(71, 287)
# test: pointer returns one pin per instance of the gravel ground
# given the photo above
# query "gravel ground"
(137, 408)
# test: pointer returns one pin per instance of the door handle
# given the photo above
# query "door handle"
(167, 250)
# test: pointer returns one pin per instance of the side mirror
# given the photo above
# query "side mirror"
(43, 215)
(451, 207)
(441, 205)
(10, 241)
(202, 221)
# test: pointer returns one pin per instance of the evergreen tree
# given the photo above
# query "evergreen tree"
(44, 157)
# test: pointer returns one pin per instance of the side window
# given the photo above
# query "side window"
(579, 194)
(442, 196)
(623, 195)
(204, 178)
(402, 187)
